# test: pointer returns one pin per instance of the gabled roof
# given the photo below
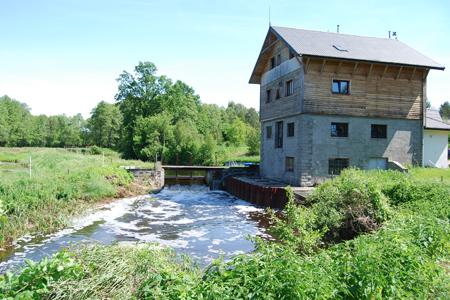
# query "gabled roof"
(349, 47)
(434, 121)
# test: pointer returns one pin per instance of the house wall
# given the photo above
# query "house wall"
(435, 147)
(375, 91)
(313, 146)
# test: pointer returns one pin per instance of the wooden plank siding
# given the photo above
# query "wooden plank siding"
(375, 91)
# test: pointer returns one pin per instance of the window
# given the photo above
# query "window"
(268, 132)
(290, 129)
(289, 88)
(289, 164)
(291, 55)
(272, 62)
(277, 96)
(278, 59)
(379, 131)
(339, 129)
(268, 96)
(279, 135)
(336, 165)
(341, 87)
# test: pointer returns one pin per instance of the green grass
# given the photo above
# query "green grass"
(431, 175)
(399, 249)
(62, 184)
(238, 154)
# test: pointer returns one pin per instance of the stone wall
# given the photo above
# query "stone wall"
(153, 178)
(312, 146)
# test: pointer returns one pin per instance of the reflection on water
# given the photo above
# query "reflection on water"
(191, 219)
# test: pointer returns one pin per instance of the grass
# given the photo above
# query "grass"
(399, 248)
(63, 183)
(433, 175)
(238, 154)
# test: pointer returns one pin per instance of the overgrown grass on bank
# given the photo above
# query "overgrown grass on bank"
(362, 235)
(62, 184)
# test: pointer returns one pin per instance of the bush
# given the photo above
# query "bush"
(348, 205)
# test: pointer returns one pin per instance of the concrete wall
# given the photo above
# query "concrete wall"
(313, 146)
(435, 147)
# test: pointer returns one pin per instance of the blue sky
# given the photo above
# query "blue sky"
(63, 56)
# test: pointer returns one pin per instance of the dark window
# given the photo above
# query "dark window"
(336, 165)
(278, 59)
(277, 96)
(341, 87)
(289, 164)
(379, 131)
(279, 135)
(291, 55)
(290, 129)
(289, 88)
(339, 129)
(272, 62)
(268, 96)
(269, 132)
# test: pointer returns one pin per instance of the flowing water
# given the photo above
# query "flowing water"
(191, 219)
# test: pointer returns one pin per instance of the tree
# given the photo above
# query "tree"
(236, 132)
(105, 125)
(428, 104)
(444, 110)
(254, 141)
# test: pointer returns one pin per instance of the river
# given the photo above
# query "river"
(191, 219)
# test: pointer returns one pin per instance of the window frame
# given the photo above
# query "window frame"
(339, 168)
(289, 84)
(290, 127)
(272, 62)
(339, 81)
(268, 95)
(279, 134)
(338, 123)
(269, 132)
(289, 167)
(376, 135)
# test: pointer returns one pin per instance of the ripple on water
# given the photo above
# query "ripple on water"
(191, 219)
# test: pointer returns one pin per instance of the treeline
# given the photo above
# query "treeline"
(19, 128)
(153, 118)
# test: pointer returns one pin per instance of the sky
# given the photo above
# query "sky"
(64, 56)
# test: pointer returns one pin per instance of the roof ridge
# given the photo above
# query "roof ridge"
(338, 33)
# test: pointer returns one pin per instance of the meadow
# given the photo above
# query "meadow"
(63, 183)
(361, 235)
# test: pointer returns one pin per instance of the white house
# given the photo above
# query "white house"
(435, 140)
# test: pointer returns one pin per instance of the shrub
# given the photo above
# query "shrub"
(348, 205)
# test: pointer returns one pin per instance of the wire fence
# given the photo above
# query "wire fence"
(15, 167)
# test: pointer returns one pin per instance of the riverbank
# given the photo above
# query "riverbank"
(362, 235)
(62, 184)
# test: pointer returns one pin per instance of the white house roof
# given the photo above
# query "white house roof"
(434, 121)
(353, 47)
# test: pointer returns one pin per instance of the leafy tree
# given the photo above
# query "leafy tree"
(105, 125)
(236, 132)
(254, 141)
(444, 110)
(428, 104)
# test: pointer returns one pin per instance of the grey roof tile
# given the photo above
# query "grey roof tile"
(434, 121)
(344, 46)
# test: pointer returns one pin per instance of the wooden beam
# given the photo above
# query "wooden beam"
(338, 67)
(354, 68)
(268, 47)
(398, 73)
(384, 71)
(307, 64)
(370, 71)
(413, 73)
(323, 65)
(425, 73)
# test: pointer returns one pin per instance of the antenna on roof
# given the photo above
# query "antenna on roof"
(338, 28)
(394, 34)
(270, 23)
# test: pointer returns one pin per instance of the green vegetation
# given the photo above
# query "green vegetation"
(61, 185)
(153, 118)
(362, 235)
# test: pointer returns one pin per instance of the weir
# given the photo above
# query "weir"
(243, 182)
